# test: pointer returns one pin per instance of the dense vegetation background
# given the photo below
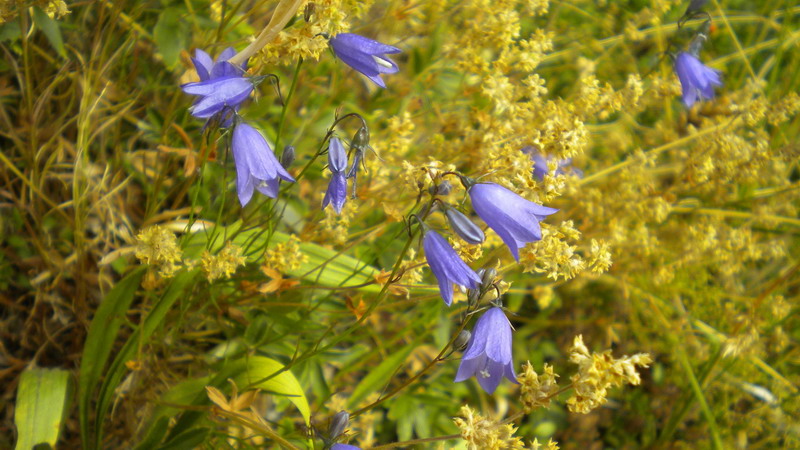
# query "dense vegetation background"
(158, 304)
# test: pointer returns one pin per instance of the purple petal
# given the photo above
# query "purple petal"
(337, 157)
(447, 266)
(226, 54)
(202, 63)
(470, 367)
(355, 42)
(336, 193)
(495, 371)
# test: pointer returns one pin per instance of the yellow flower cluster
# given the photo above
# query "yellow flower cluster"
(536, 390)
(599, 371)
(53, 8)
(286, 256)
(554, 256)
(335, 227)
(223, 264)
(551, 445)
(484, 434)
(304, 39)
(157, 246)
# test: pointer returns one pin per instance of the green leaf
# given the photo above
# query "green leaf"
(323, 266)
(170, 35)
(42, 399)
(380, 376)
(10, 31)
(50, 29)
(255, 368)
(154, 319)
(100, 340)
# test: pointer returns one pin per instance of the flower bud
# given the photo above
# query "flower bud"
(463, 227)
(339, 423)
(473, 296)
(442, 188)
(462, 340)
(361, 138)
(287, 157)
(488, 276)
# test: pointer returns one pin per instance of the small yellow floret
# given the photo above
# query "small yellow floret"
(224, 264)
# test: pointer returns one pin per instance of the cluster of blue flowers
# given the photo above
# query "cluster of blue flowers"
(516, 220)
(222, 89)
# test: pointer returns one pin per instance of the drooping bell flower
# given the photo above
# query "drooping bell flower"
(337, 187)
(488, 354)
(697, 79)
(365, 55)
(447, 266)
(513, 218)
(257, 168)
(222, 86)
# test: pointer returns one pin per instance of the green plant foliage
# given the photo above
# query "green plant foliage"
(42, 403)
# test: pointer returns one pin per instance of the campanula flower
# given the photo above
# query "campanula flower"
(488, 354)
(697, 79)
(222, 87)
(337, 187)
(256, 165)
(447, 266)
(365, 55)
(540, 164)
(513, 218)
(344, 447)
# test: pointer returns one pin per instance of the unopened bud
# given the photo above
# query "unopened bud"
(488, 276)
(361, 138)
(338, 424)
(473, 295)
(442, 188)
(287, 157)
(464, 228)
(462, 340)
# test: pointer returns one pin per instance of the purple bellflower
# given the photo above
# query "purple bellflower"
(222, 87)
(697, 79)
(256, 165)
(488, 354)
(513, 218)
(344, 447)
(447, 266)
(337, 187)
(365, 55)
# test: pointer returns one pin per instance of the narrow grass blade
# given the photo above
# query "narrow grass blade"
(100, 340)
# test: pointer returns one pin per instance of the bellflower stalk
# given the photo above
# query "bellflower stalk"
(488, 354)
(337, 187)
(365, 55)
(697, 79)
(447, 266)
(513, 218)
(256, 166)
(222, 87)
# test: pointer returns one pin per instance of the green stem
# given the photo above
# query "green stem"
(701, 399)
(357, 325)
(286, 103)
